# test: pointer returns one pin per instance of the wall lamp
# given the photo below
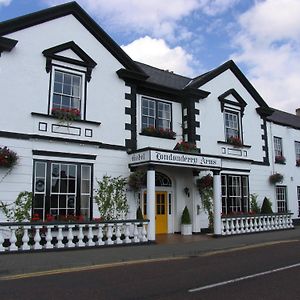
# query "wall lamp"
(187, 191)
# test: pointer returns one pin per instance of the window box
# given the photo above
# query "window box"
(66, 115)
(280, 159)
(158, 132)
(235, 141)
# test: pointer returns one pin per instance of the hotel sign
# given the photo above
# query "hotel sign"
(170, 158)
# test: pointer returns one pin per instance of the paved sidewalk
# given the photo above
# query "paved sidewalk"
(18, 263)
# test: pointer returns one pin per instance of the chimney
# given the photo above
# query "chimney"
(298, 112)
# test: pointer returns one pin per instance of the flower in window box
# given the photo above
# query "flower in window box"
(235, 141)
(35, 218)
(298, 162)
(49, 218)
(66, 115)
(158, 132)
(7, 157)
(280, 159)
(275, 178)
(186, 147)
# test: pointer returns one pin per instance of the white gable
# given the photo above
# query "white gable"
(69, 54)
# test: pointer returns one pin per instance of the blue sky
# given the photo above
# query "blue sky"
(191, 37)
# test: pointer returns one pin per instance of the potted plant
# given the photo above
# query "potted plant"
(266, 207)
(275, 178)
(8, 158)
(235, 141)
(186, 147)
(280, 159)
(186, 224)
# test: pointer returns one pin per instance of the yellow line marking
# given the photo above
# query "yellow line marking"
(134, 262)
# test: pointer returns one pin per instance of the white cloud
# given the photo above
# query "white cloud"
(5, 2)
(159, 18)
(269, 45)
(157, 53)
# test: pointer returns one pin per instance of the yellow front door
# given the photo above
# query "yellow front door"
(161, 216)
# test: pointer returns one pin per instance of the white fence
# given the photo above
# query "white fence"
(256, 223)
(39, 236)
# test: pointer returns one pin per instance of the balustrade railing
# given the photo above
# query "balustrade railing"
(255, 223)
(39, 236)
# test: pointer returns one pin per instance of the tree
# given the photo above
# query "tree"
(266, 207)
(111, 198)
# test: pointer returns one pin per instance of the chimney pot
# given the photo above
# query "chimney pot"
(298, 112)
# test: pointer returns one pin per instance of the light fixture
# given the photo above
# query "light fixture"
(187, 191)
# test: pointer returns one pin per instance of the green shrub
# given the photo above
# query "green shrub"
(185, 218)
(266, 207)
(139, 214)
(253, 204)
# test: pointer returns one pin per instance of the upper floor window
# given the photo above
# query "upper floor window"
(232, 128)
(156, 114)
(278, 151)
(297, 151)
(67, 91)
(156, 118)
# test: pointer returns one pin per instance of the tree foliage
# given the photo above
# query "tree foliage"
(254, 207)
(186, 218)
(266, 207)
(111, 198)
(20, 209)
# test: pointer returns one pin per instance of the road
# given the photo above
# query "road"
(178, 278)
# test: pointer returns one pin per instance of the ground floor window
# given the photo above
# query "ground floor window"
(62, 190)
(281, 199)
(235, 193)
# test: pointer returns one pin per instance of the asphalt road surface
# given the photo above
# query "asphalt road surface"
(269, 272)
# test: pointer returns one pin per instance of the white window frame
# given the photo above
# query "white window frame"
(72, 72)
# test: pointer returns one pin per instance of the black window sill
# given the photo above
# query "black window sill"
(52, 117)
(232, 145)
(156, 136)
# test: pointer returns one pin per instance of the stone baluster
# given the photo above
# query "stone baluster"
(118, 234)
(49, 237)
(268, 224)
(127, 233)
(13, 239)
(136, 233)
(238, 225)
(25, 238)
(144, 232)
(2, 249)
(280, 222)
(247, 224)
(60, 237)
(37, 238)
(242, 225)
(251, 220)
(80, 236)
(227, 231)
(70, 236)
(259, 223)
(90, 236)
(100, 235)
(232, 225)
(273, 225)
(284, 221)
(109, 234)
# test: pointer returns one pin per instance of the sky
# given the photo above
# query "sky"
(191, 37)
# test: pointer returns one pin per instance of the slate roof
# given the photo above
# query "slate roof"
(284, 118)
(163, 77)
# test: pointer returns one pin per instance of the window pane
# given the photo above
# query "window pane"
(84, 201)
(58, 77)
(67, 89)
(57, 87)
(67, 78)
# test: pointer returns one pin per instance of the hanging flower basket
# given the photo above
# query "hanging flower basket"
(235, 141)
(186, 147)
(137, 180)
(8, 158)
(66, 115)
(275, 178)
(205, 182)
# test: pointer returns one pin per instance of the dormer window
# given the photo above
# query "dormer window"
(67, 91)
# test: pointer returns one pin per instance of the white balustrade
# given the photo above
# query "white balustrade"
(257, 223)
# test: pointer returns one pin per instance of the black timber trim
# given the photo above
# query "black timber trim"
(131, 144)
(71, 8)
(190, 119)
(7, 44)
(24, 136)
(223, 101)
(236, 170)
(264, 112)
(52, 117)
(63, 154)
(265, 147)
(230, 65)
(86, 60)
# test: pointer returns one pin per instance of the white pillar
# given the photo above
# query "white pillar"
(217, 203)
(151, 203)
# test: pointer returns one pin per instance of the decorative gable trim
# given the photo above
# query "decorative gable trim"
(71, 8)
(230, 65)
(240, 102)
(7, 44)
(86, 60)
